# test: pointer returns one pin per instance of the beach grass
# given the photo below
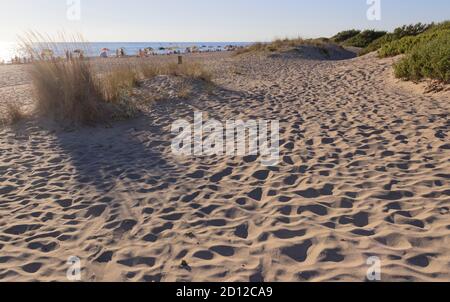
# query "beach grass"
(12, 114)
(280, 45)
(69, 91)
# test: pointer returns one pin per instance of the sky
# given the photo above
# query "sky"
(208, 20)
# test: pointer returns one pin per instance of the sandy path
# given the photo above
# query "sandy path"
(365, 172)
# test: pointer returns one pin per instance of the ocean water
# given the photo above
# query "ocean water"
(93, 49)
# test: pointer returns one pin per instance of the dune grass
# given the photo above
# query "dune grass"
(70, 91)
(12, 114)
(280, 45)
(118, 82)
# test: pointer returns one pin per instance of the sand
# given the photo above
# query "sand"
(365, 172)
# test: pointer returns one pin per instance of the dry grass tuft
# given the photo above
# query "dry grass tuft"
(118, 82)
(71, 91)
(12, 115)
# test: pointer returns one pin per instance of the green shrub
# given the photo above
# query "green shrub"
(345, 35)
(410, 30)
(428, 60)
(364, 38)
(407, 43)
(397, 34)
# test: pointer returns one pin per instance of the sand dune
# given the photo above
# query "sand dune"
(365, 172)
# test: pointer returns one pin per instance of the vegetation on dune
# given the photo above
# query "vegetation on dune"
(280, 45)
(364, 38)
(407, 43)
(427, 60)
(427, 54)
(345, 35)
(397, 34)
(118, 82)
(426, 47)
(68, 91)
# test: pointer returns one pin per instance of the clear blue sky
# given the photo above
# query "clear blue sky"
(209, 20)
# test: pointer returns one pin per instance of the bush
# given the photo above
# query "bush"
(397, 34)
(406, 44)
(345, 35)
(410, 30)
(364, 38)
(427, 60)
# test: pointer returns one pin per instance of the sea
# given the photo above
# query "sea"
(9, 50)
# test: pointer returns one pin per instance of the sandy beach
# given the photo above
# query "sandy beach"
(364, 171)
